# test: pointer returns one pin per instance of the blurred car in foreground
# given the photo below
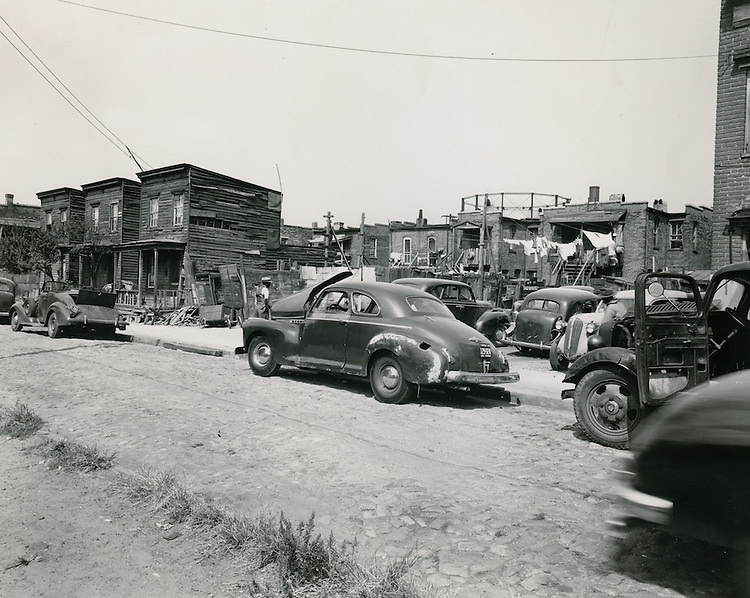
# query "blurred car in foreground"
(399, 337)
(492, 322)
(62, 307)
(7, 296)
(544, 314)
(689, 469)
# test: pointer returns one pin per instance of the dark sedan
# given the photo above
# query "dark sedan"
(492, 322)
(399, 337)
(689, 470)
(544, 314)
(7, 296)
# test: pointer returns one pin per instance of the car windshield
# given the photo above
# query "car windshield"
(428, 306)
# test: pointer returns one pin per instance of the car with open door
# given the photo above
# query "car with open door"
(680, 339)
(401, 338)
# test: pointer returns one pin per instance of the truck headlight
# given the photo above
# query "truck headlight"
(591, 328)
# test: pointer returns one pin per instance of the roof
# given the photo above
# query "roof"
(188, 167)
(583, 217)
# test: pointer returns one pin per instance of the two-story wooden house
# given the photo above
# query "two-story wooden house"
(111, 218)
(191, 221)
(63, 209)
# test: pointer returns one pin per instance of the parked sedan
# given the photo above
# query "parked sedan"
(399, 337)
(689, 469)
(458, 297)
(544, 314)
(7, 296)
(62, 307)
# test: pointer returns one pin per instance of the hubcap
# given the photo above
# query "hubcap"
(390, 377)
(611, 403)
(262, 355)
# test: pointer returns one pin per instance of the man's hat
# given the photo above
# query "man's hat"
(607, 294)
(266, 279)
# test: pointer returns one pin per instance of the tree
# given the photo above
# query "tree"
(29, 250)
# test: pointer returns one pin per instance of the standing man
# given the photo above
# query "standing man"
(263, 299)
(614, 310)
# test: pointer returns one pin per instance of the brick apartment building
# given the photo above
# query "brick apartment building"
(732, 150)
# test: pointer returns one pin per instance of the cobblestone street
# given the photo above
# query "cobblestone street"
(493, 499)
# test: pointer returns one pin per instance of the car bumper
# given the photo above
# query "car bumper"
(639, 507)
(459, 377)
(85, 321)
(525, 345)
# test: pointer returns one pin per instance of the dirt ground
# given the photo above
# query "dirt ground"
(494, 500)
(69, 534)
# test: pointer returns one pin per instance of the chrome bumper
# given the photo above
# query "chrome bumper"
(639, 506)
(458, 377)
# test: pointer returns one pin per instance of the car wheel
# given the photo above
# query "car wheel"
(607, 407)
(15, 324)
(500, 335)
(388, 383)
(261, 357)
(557, 361)
(53, 326)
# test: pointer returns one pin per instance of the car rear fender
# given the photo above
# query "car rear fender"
(421, 362)
(63, 312)
(617, 357)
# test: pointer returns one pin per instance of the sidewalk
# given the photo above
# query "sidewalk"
(217, 341)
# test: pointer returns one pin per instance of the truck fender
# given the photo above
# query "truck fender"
(619, 357)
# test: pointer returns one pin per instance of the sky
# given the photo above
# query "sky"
(379, 108)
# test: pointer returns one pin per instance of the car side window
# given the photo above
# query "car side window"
(450, 292)
(465, 294)
(332, 301)
(364, 304)
(4, 286)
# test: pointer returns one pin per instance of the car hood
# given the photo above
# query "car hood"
(295, 305)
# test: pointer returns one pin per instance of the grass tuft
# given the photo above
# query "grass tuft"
(72, 456)
(303, 563)
(19, 422)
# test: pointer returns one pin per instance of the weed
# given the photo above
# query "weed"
(63, 454)
(19, 422)
(305, 564)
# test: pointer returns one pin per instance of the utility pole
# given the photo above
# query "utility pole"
(481, 248)
(362, 247)
(328, 217)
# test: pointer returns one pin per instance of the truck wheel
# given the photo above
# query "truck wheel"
(387, 381)
(53, 326)
(260, 356)
(607, 407)
(15, 324)
(557, 361)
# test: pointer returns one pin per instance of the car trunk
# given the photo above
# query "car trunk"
(100, 298)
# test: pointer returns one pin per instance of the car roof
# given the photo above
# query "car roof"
(428, 282)
(562, 294)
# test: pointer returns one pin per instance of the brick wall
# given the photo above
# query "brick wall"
(732, 167)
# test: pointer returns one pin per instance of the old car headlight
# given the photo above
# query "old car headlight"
(559, 324)
(591, 327)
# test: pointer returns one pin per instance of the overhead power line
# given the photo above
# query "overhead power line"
(101, 128)
(382, 52)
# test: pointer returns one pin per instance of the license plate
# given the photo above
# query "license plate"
(485, 351)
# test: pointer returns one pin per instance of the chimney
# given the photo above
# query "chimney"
(421, 222)
(314, 225)
(660, 205)
(594, 194)
(8, 199)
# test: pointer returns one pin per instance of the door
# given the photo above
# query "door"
(671, 335)
(323, 342)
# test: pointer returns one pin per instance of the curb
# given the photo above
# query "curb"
(178, 346)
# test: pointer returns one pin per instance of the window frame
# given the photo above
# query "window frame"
(95, 217)
(178, 209)
(114, 217)
(406, 255)
(153, 212)
(676, 234)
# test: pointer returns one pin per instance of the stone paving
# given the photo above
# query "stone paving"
(492, 500)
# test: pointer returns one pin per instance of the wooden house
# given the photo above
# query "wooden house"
(111, 218)
(191, 221)
(62, 209)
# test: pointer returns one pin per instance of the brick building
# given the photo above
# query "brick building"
(732, 149)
